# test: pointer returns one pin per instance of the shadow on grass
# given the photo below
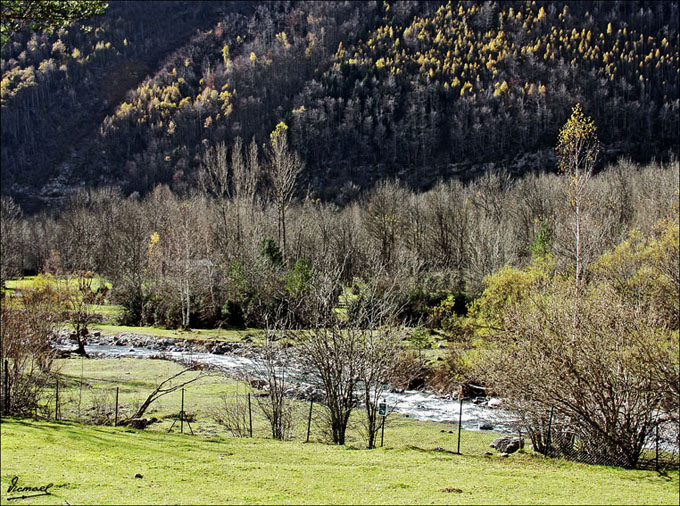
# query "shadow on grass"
(432, 451)
(119, 438)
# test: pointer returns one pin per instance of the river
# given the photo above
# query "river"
(416, 404)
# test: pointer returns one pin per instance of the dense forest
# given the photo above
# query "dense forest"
(420, 91)
(202, 260)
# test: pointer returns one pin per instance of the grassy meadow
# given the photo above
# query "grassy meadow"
(417, 465)
(97, 465)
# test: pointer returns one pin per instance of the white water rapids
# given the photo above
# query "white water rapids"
(415, 404)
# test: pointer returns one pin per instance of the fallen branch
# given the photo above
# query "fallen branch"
(165, 388)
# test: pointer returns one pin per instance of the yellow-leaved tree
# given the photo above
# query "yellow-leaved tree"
(577, 150)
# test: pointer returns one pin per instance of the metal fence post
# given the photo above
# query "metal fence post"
(56, 402)
(115, 422)
(460, 415)
(309, 420)
(181, 415)
(6, 387)
(382, 434)
(250, 417)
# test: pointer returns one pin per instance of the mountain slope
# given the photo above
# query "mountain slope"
(421, 90)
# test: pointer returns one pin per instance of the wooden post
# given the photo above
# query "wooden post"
(115, 421)
(250, 417)
(460, 415)
(309, 420)
(181, 415)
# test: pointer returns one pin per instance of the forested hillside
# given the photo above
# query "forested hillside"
(418, 90)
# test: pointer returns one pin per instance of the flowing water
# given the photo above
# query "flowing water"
(415, 404)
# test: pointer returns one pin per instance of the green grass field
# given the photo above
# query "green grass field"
(97, 465)
(417, 465)
(31, 282)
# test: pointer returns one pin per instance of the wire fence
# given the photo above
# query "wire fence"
(235, 414)
(657, 448)
(245, 414)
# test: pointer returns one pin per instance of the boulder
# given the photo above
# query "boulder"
(494, 403)
(221, 348)
(507, 444)
(485, 426)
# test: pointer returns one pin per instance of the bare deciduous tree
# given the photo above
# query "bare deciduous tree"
(176, 255)
(274, 369)
(382, 349)
(232, 413)
(353, 357)
(11, 240)
(334, 354)
(283, 170)
(214, 176)
(80, 297)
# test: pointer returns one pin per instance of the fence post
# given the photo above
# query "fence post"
(460, 415)
(250, 417)
(56, 402)
(309, 420)
(80, 395)
(115, 422)
(382, 433)
(181, 415)
(6, 387)
(657, 448)
(548, 439)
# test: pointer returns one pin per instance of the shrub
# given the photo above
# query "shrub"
(24, 339)
(578, 353)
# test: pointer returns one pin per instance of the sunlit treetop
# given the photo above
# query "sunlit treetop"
(278, 132)
(577, 145)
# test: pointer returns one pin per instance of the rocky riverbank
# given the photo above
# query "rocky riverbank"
(184, 350)
(244, 361)
(64, 339)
